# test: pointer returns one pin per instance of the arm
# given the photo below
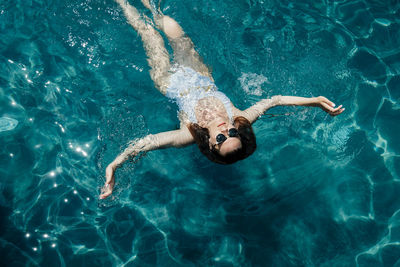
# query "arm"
(177, 138)
(260, 107)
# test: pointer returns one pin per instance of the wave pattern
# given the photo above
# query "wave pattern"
(317, 192)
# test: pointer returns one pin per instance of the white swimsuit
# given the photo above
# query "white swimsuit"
(187, 87)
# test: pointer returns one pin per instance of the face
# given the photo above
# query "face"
(224, 137)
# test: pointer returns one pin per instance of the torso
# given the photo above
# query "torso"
(198, 99)
(208, 109)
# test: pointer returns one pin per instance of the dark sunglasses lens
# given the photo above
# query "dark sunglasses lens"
(220, 138)
(233, 132)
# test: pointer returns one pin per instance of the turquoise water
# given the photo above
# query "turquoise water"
(319, 191)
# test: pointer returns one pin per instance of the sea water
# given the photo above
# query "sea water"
(318, 191)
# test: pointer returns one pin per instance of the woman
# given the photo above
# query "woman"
(222, 132)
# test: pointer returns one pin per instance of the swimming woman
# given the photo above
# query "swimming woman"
(222, 132)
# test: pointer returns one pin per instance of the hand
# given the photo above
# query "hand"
(110, 181)
(328, 106)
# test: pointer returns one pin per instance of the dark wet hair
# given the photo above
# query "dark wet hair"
(201, 137)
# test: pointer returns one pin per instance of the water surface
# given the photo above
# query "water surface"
(319, 191)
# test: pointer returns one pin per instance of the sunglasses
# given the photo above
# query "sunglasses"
(232, 132)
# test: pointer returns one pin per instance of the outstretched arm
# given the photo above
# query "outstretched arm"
(177, 138)
(260, 107)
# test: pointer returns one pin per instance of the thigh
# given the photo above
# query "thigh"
(157, 54)
(157, 57)
(184, 52)
(186, 55)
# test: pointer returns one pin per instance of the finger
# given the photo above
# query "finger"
(336, 109)
(330, 103)
(106, 186)
(326, 107)
(338, 112)
(106, 191)
(341, 111)
(105, 195)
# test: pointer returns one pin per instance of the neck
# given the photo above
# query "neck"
(219, 121)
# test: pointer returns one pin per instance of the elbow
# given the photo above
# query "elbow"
(177, 144)
(276, 100)
(180, 143)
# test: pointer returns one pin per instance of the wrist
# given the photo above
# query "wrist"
(112, 165)
(316, 100)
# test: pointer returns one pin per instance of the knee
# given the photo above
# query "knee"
(171, 27)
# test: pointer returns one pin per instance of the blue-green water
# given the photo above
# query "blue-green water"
(319, 191)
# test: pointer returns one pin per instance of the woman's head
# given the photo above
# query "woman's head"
(226, 144)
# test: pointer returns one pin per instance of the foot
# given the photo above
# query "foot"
(146, 3)
(157, 14)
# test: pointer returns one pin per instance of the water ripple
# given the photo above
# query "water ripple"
(317, 192)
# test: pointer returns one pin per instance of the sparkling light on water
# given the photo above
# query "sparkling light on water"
(75, 91)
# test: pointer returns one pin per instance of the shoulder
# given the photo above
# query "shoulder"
(183, 118)
(237, 112)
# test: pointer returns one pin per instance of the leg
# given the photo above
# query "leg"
(158, 57)
(184, 52)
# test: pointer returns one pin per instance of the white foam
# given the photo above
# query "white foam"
(252, 83)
